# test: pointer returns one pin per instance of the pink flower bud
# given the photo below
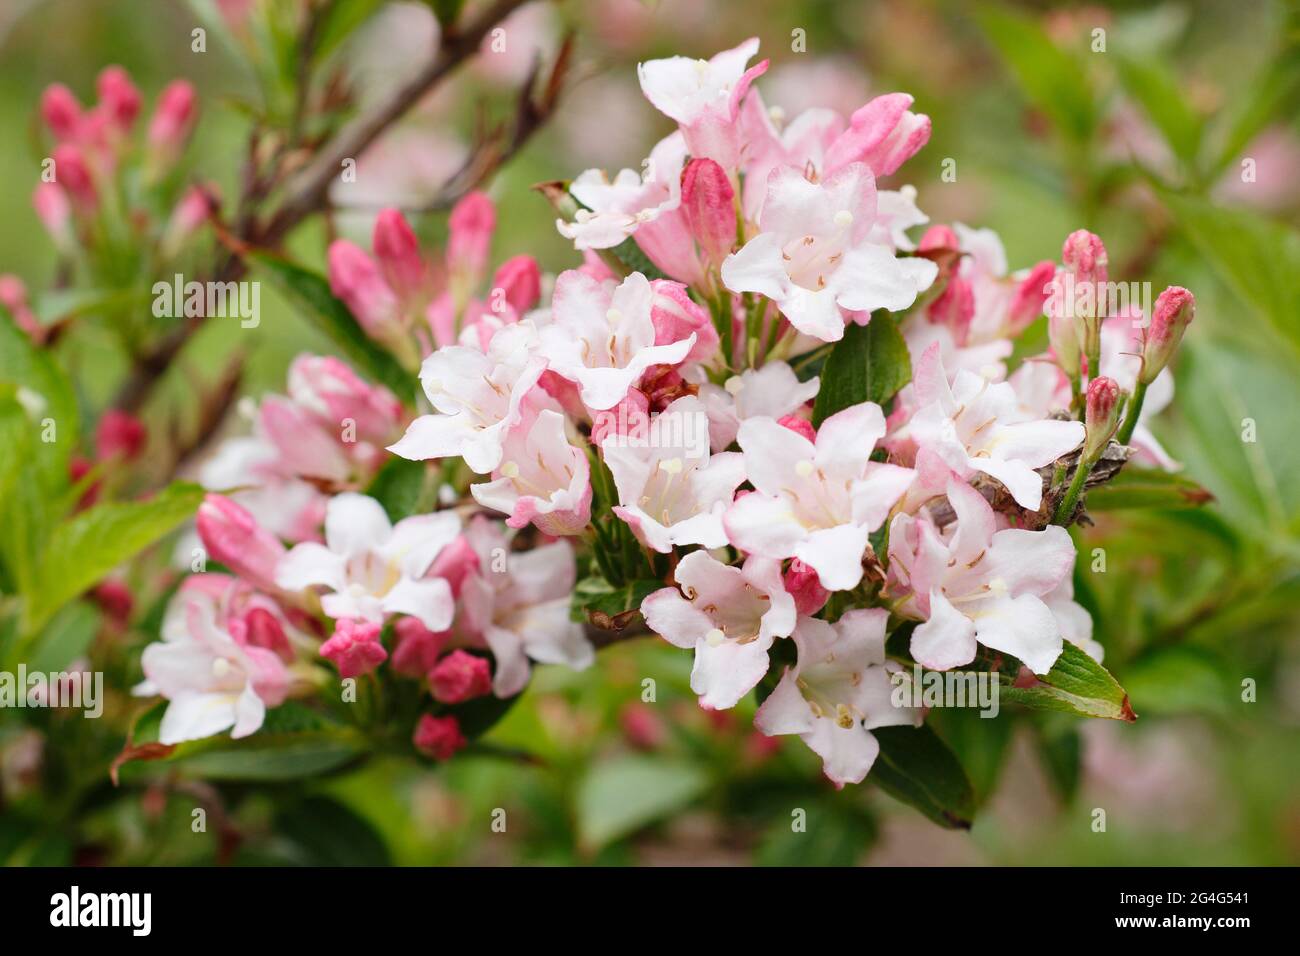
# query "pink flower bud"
(114, 599)
(460, 676)
(354, 649)
(438, 737)
(676, 315)
(1084, 258)
(194, 209)
(954, 307)
(806, 588)
(263, 629)
(883, 134)
(328, 386)
(73, 174)
(938, 237)
(709, 204)
(642, 727)
(800, 426)
(1062, 332)
(61, 111)
(1174, 310)
(118, 98)
(399, 257)
(172, 121)
(13, 297)
(119, 434)
(52, 208)
(356, 280)
(1030, 296)
(471, 224)
(417, 647)
(233, 537)
(1101, 414)
(520, 280)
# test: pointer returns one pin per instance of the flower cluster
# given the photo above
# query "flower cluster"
(664, 419)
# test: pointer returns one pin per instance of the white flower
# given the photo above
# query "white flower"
(729, 617)
(837, 692)
(372, 568)
(773, 391)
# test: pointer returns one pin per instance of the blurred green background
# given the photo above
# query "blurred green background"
(1143, 142)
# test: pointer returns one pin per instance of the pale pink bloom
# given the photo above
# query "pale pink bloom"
(365, 415)
(614, 210)
(371, 568)
(193, 210)
(806, 588)
(61, 111)
(816, 502)
(729, 616)
(975, 426)
(1073, 619)
(399, 256)
(290, 508)
(354, 647)
(815, 255)
(971, 583)
(676, 316)
(708, 202)
(772, 391)
(477, 396)
(211, 681)
(233, 537)
(602, 337)
(542, 478)
(119, 100)
(418, 648)
(519, 604)
(703, 97)
(670, 490)
(838, 691)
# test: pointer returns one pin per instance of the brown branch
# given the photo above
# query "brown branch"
(309, 191)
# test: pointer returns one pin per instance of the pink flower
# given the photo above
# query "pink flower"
(460, 676)
(1174, 310)
(172, 121)
(520, 281)
(542, 478)
(61, 111)
(677, 316)
(771, 391)
(818, 502)
(816, 255)
(75, 177)
(471, 224)
(232, 536)
(806, 588)
(708, 202)
(418, 648)
(372, 568)
(398, 252)
(118, 98)
(602, 337)
(971, 583)
(356, 280)
(729, 617)
(883, 134)
(365, 416)
(703, 97)
(1101, 414)
(670, 490)
(838, 691)
(354, 647)
(438, 737)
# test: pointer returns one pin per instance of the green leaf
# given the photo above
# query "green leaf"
(917, 768)
(1053, 79)
(90, 544)
(330, 833)
(596, 594)
(1147, 488)
(24, 365)
(1151, 85)
(311, 293)
(1076, 684)
(837, 834)
(65, 638)
(870, 364)
(399, 486)
(630, 254)
(980, 743)
(340, 21)
(1258, 259)
(622, 795)
(1061, 750)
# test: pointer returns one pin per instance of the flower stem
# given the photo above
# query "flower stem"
(1066, 508)
(1134, 410)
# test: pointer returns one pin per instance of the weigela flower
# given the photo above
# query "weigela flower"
(817, 255)
(975, 426)
(478, 395)
(970, 583)
(670, 490)
(542, 478)
(354, 647)
(818, 502)
(372, 568)
(729, 616)
(772, 391)
(602, 337)
(837, 692)
(519, 604)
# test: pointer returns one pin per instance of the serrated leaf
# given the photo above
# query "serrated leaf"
(92, 543)
(620, 796)
(1147, 488)
(1076, 684)
(311, 293)
(870, 364)
(917, 768)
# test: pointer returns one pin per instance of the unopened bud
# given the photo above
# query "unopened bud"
(1174, 310)
(1101, 415)
(438, 737)
(709, 204)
